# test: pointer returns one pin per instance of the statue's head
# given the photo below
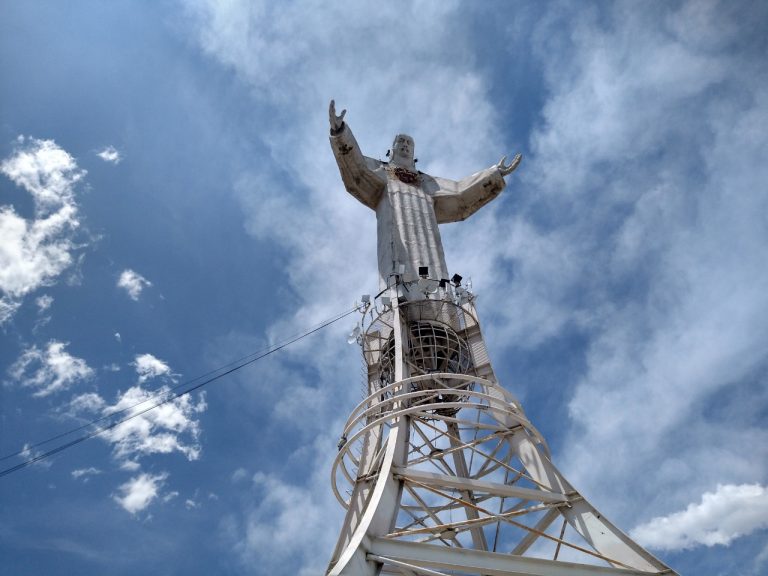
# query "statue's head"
(402, 151)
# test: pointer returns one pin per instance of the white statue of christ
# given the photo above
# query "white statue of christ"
(409, 204)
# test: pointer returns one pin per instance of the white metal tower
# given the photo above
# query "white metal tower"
(438, 467)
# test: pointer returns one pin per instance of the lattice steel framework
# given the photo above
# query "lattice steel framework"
(442, 473)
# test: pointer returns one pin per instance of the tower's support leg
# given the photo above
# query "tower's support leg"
(460, 464)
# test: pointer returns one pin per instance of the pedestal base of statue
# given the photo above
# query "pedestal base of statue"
(442, 473)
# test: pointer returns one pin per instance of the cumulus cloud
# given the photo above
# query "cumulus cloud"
(722, 516)
(172, 427)
(148, 366)
(140, 491)
(88, 402)
(44, 170)
(110, 154)
(168, 428)
(35, 251)
(50, 370)
(133, 283)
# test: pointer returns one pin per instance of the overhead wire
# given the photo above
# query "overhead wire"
(169, 394)
(160, 392)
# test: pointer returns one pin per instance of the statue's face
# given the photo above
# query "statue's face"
(402, 149)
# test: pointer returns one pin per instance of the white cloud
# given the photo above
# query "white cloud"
(8, 308)
(110, 154)
(34, 252)
(50, 370)
(46, 171)
(118, 337)
(147, 366)
(239, 475)
(171, 427)
(722, 516)
(88, 402)
(133, 283)
(140, 491)
(85, 472)
(649, 162)
(28, 453)
(170, 496)
(44, 302)
(130, 465)
(158, 431)
(281, 509)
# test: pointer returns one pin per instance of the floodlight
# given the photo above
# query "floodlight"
(423, 271)
(386, 301)
(354, 335)
(366, 298)
(443, 283)
(456, 279)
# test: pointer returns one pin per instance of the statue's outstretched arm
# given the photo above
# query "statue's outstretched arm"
(362, 176)
(455, 201)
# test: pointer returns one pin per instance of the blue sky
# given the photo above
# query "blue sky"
(169, 203)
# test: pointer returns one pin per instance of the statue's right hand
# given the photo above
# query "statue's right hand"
(336, 121)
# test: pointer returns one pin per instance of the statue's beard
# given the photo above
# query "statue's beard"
(403, 161)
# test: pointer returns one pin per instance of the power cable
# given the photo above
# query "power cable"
(238, 364)
(160, 392)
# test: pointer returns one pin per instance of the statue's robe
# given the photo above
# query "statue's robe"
(409, 205)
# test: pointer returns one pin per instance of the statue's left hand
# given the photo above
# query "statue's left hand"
(504, 169)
